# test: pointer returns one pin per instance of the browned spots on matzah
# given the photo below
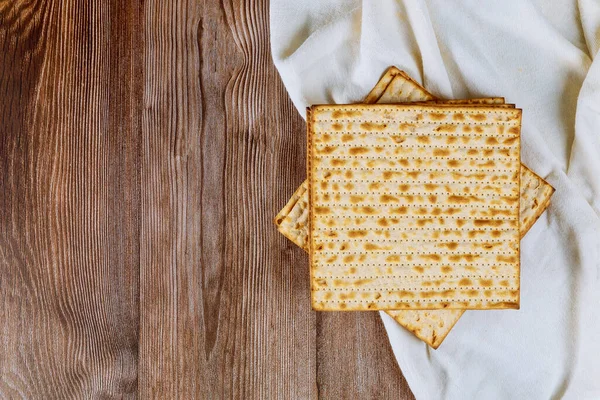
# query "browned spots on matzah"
(399, 210)
(424, 221)
(432, 257)
(358, 150)
(494, 213)
(345, 113)
(386, 198)
(347, 138)
(461, 199)
(507, 259)
(327, 150)
(369, 126)
(403, 126)
(357, 233)
(448, 128)
(365, 210)
(478, 117)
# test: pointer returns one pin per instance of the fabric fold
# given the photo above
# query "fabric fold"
(540, 55)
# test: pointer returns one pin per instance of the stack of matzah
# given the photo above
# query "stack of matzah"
(415, 207)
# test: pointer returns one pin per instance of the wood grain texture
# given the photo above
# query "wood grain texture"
(355, 359)
(144, 149)
(225, 305)
(69, 199)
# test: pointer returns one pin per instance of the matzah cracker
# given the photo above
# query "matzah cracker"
(431, 326)
(413, 207)
(535, 196)
(382, 85)
(293, 218)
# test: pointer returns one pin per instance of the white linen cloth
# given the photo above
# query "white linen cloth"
(541, 55)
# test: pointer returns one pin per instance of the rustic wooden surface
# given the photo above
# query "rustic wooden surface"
(145, 147)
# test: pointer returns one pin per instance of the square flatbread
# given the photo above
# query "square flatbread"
(413, 206)
(430, 326)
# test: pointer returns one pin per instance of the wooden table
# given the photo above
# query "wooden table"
(145, 148)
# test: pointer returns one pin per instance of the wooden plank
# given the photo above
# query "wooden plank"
(355, 359)
(69, 198)
(224, 298)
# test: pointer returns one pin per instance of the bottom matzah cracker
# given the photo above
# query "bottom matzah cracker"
(430, 326)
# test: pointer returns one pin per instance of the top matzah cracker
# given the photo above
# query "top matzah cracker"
(414, 207)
